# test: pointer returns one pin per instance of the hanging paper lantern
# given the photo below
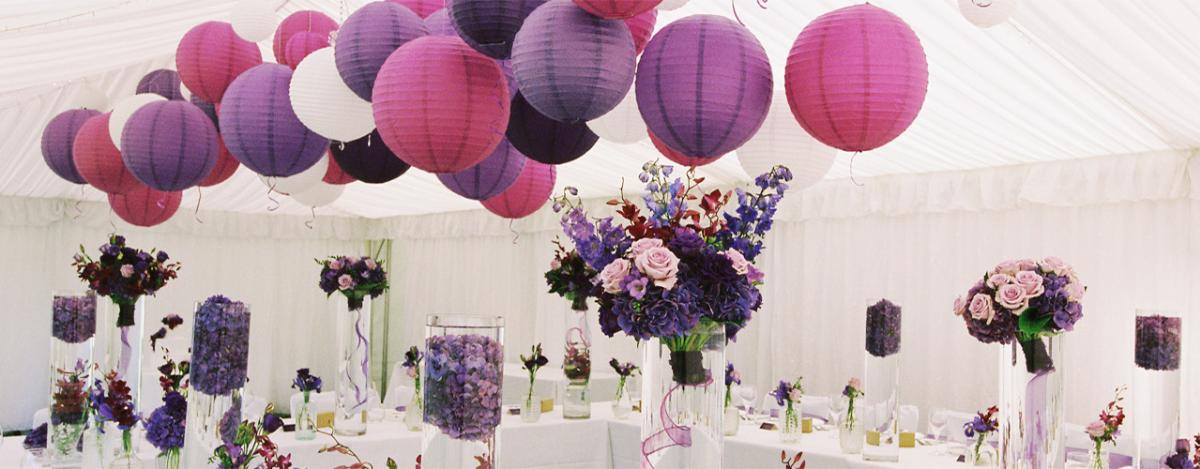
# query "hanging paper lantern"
(438, 23)
(306, 21)
(90, 97)
(423, 8)
(299, 182)
(98, 160)
(253, 20)
(335, 175)
(144, 206)
(209, 109)
(225, 167)
(162, 82)
(676, 156)
(571, 65)
(856, 77)
(260, 128)
(617, 9)
(369, 36)
(368, 159)
(623, 124)
(302, 44)
(782, 141)
(58, 143)
(668, 5)
(439, 105)
(169, 146)
(987, 13)
(124, 109)
(210, 56)
(490, 26)
(544, 139)
(319, 195)
(527, 194)
(641, 27)
(488, 178)
(323, 102)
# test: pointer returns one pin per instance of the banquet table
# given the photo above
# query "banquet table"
(602, 385)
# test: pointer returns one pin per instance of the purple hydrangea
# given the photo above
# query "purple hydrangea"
(165, 426)
(1156, 344)
(463, 377)
(74, 318)
(661, 313)
(883, 328)
(220, 344)
(725, 296)
(36, 439)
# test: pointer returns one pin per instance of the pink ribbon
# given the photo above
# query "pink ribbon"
(360, 397)
(126, 353)
(672, 434)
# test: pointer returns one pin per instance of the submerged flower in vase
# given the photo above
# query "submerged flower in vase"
(464, 374)
(74, 318)
(221, 342)
(883, 328)
(1157, 341)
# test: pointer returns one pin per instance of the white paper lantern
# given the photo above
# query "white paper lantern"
(124, 109)
(319, 195)
(325, 104)
(90, 97)
(254, 20)
(623, 124)
(300, 182)
(668, 5)
(781, 140)
(987, 13)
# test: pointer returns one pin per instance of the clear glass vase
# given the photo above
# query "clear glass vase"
(354, 366)
(880, 406)
(577, 365)
(682, 409)
(168, 459)
(1031, 403)
(414, 412)
(220, 353)
(120, 340)
(1156, 388)
(732, 421)
(980, 454)
(73, 327)
(851, 427)
(789, 423)
(1098, 458)
(622, 405)
(210, 418)
(531, 407)
(127, 458)
(306, 422)
(463, 375)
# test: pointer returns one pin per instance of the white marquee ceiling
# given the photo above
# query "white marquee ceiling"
(1062, 79)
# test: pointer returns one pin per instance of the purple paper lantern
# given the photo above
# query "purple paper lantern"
(489, 26)
(58, 142)
(571, 65)
(438, 23)
(260, 128)
(488, 178)
(169, 145)
(209, 109)
(368, 159)
(544, 139)
(161, 82)
(368, 37)
(704, 85)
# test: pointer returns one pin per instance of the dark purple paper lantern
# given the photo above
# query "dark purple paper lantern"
(209, 109)
(260, 128)
(368, 159)
(489, 26)
(161, 82)
(169, 145)
(704, 85)
(368, 37)
(488, 178)
(571, 65)
(544, 139)
(58, 142)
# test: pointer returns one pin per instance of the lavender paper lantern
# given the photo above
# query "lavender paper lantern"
(439, 105)
(544, 139)
(488, 178)
(617, 9)
(169, 146)
(368, 159)
(527, 194)
(99, 161)
(490, 26)
(209, 109)
(162, 82)
(438, 23)
(704, 85)
(210, 56)
(422, 8)
(302, 44)
(58, 142)
(368, 37)
(260, 128)
(676, 156)
(144, 206)
(306, 21)
(856, 77)
(571, 65)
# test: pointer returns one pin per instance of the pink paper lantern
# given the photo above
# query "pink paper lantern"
(144, 206)
(641, 27)
(300, 22)
(302, 44)
(210, 56)
(440, 105)
(226, 166)
(334, 174)
(527, 194)
(98, 159)
(617, 9)
(422, 8)
(856, 77)
(678, 157)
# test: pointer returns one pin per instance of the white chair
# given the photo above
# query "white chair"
(40, 417)
(768, 405)
(818, 407)
(398, 396)
(953, 431)
(253, 407)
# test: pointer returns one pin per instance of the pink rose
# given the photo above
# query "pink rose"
(660, 264)
(1012, 297)
(1074, 289)
(1006, 267)
(644, 244)
(855, 383)
(1054, 264)
(981, 308)
(555, 264)
(960, 306)
(411, 372)
(370, 263)
(1097, 429)
(1031, 282)
(345, 282)
(613, 274)
(127, 270)
(739, 262)
(995, 281)
(1026, 264)
(351, 259)
(335, 264)
(794, 395)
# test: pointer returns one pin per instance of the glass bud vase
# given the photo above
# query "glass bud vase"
(682, 409)
(732, 421)
(851, 427)
(73, 326)
(1156, 388)
(354, 366)
(120, 338)
(128, 458)
(220, 350)
(1098, 458)
(622, 405)
(980, 454)
(1031, 403)
(577, 365)
(414, 412)
(463, 376)
(789, 423)
(306, 422)
(531, 407)
(880, 402)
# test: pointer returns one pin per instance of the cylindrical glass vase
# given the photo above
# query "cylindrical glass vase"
(851, 427)
(414, 412)
(1156, 388)
(531, 407)
(577, 365)
(789, 423)
(354, 366)
(1031, 403)
(622, 405)
(880, 402)
(168, 460)
(73, 326)
(120, 339)
(220, 350)
(463, 375)
(128, 457)
(306, 421)
(732, 421)
(1098, 458)
(683, 405)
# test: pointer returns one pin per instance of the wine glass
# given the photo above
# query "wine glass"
(747, 395)
(838, 406)
(937, 425)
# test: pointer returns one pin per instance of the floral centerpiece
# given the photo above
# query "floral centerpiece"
(217, 374)
(307, 383)
(1157, 341)
(73, 318)
(1181, 459)
(463, 383)
(125, 274)
(883, 328)
(111, 402)
(356, 278)
(1157, 349)
(165, 428)
(788, 396)
(1105, 430)
(68, 411)
(249, 441)
(570, 276)
(531, 410)
(984, 423)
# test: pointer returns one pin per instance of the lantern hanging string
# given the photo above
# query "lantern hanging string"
(270, 195)
(733, 6)
(516, 235)
(78, 210)
(312, 211)
(852, 156)
(110, 220)
(199, 198)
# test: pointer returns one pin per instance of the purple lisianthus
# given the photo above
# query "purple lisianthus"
(220, 345)
(306, 381)
(36, 439)
(463, 384)
(687, 242)
(74, 318)
(883, 328)
(271, 423)
(165, 426)
(1157, 342)
(227, 427)
(731, 375)
(782, 392)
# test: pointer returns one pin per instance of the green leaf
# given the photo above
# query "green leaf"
(1031, 325)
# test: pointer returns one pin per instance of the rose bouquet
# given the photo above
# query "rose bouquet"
(1105, 430)
(354, 277)
(125, 274)
(979, 428)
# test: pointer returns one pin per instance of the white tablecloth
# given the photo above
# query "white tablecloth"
(552, 383)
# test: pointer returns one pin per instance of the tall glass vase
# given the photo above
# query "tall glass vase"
(120, 335)
(1031, 403)
(577, 365)
(880, 402)
(682, 410)
(354, 366)
(1156, 387)
(220, 350)
(306, 422)
(463, 375)
(73, 326)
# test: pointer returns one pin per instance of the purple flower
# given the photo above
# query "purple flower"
(165, 426)
(74, 318)
(637, 287)
(687, 242)
(272, 422)
(731, 375)
(883, 328)
(1157, 342)
(782, 392)
(306, 382)
(220, 344)
(463, 377)
(36, 438)
(227, 427)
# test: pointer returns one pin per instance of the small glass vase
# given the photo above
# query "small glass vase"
(732, 421)
(789, 424)
(577, 365)
(354, 366)
(168, 460)
(128, 458)
(1156, 387)
(73, 326)
(306, 424)
(461, 420)
(980, 454)
(1031, 403)
(1098, 458)
(851, 432)
(683, 405)
(415, 411)
(220, 354)
(120, 340)
(622, 406)
(531, 408)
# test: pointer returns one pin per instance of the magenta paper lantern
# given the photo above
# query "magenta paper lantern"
(225, 167)
(488, 178)
(617, 9)
(422, 8)
(306, 21)
(544, 139)
(210, 56)
(641, 27)
(368, 37)
(527, 194)
(368, 159)
(260, 128)
(678, 157)
(302, 44)
(144, 206)
(169, 145)
(162, 82)
(335, 175)
(99, 161)
(704, 85)
(440, 105)
(856, 77)
(571, 65)
(490, 26)
(58, 143)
